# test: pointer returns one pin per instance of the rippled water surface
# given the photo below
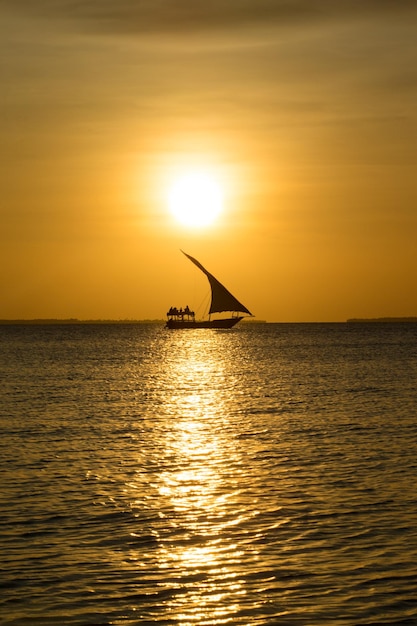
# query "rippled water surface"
(265, 475)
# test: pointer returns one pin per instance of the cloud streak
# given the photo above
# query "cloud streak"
(190, 16)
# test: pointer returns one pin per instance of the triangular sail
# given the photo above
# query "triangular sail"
(221, 298)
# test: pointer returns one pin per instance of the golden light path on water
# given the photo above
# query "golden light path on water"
(206, 533)
(195, 489)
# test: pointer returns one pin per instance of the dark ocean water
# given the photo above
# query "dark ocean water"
(265, 475)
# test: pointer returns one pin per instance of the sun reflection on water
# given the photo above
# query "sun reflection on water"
(201, 538)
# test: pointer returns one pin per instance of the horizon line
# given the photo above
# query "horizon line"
(75, 320)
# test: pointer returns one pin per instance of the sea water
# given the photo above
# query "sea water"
(264, 475)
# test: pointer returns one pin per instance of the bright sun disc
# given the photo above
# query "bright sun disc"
(195, 199)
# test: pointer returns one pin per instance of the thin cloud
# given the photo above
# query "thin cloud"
(183, 16)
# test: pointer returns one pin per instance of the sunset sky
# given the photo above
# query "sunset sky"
(304, 111)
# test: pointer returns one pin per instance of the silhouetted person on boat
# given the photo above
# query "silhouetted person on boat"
(181, 313)
(173, 312)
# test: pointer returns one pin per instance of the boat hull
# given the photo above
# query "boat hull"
(221, 323)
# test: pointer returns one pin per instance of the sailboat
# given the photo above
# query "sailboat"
(221, 301)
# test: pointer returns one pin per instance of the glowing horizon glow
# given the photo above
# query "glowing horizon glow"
(195, 199)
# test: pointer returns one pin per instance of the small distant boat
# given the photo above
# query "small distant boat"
(221, 301)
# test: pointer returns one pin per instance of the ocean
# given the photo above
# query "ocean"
(264, 475)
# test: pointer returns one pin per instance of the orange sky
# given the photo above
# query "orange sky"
(306, 110)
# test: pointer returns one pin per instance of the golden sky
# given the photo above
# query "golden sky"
(305, 111)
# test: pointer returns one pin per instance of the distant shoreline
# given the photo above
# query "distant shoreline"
(390, 320)
(76, 321)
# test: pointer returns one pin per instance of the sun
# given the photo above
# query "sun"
(195, 199)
